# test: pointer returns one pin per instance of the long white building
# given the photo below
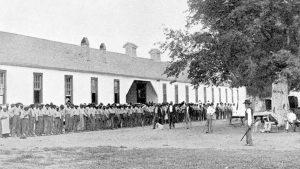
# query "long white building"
(35, 70)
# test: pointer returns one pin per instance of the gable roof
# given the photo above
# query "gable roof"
(25, 51)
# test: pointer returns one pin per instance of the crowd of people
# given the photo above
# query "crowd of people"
(22, 121)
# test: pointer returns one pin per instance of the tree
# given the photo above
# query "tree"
(250, 43)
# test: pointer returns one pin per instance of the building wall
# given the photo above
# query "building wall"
(20, 87)
(151, 93)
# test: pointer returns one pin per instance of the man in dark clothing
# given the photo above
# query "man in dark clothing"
(171, 114)
(156, 115)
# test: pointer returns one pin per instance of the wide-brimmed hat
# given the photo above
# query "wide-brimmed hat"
(247, 102)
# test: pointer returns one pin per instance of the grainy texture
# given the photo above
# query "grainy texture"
(146, 148)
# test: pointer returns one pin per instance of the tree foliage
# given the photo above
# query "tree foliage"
(241, 43)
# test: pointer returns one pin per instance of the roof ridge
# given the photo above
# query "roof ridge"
(53, 41)
(28, 36)
(20, 49)
(74, 45)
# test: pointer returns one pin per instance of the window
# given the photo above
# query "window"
(187, 97)
(2, 87)
(226, 95)
(37, 88)
(220, 95)
(204, 91)
(176, 94)
(232, 96)
(237, 95)
(94, 90)
(117, 91)
(164, 92)
(69, 88)
(212, 95)
(196, 95)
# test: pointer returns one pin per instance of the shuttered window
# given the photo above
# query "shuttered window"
(205, 97)
(37, 87)
(187, 94)
(220, 95)
(176, 94)
(232, 95)
(116, 90)
(196, 95)
(226, 95)
(212, 94)
(94, 90)
(69, 88)
(237, 95)
(165, 93)
(2, 87)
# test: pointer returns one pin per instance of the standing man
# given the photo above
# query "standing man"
(217, 111)
(155, 116)
(187, 115)
(93, 117)
(47, 113)
(112, 114)
(221, 110)
(57, 121)
(40, 120)
(32, 120)
(233, 112)
(63, 117)
(249, 116)
(171, 113)
(4, 118)
(209, 116)
(75, 118)
(24, 116)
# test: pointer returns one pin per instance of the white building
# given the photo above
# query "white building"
(35, 70)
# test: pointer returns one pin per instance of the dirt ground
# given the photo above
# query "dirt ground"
(143, 147)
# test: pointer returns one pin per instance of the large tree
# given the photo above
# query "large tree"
(251, 43)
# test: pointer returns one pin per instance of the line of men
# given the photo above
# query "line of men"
(49, 119)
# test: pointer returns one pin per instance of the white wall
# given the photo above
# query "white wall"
(20, 87)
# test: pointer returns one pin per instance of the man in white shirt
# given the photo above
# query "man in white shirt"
(57, 120)
(24, 116)
(47, 119)
(187, 116)
(249, 116)
(32, 120)
(4, 118)
(209, 116)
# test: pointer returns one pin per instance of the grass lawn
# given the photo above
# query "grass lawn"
(173, 158)
(145, 148)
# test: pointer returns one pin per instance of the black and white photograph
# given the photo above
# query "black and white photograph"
(150, 84)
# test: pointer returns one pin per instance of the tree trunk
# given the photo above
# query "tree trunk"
(280, 102)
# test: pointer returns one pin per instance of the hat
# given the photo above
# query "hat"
(247, 102)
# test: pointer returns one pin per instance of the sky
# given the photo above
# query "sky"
(113, 22)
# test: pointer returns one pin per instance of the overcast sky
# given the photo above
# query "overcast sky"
(113, 22)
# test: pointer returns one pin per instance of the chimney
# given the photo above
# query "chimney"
(85, 49)
(130, 49)
(155, 55)
(102, 48)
